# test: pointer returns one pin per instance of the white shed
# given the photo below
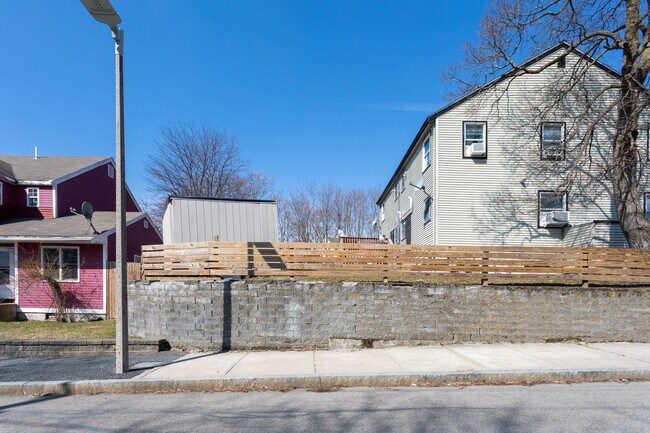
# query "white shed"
(201, 219)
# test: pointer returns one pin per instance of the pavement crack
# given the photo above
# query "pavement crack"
(236, 362)
(614, 353)
(393, 359)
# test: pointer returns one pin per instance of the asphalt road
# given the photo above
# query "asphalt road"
(593, 408)
(75, 367)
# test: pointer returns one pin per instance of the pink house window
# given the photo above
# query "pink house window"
(62, 263)
(32, 197)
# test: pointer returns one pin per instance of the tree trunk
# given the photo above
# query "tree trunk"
(625, 169)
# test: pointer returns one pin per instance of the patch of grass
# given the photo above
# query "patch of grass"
(33, 330)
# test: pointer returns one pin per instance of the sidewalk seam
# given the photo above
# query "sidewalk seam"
(617, 354)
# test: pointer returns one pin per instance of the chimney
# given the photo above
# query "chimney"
(35, 152)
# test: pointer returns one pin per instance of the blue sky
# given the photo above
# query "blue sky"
(316, 92)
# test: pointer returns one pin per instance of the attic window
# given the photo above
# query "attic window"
(561, 62)
(111, 171)
(146, 224)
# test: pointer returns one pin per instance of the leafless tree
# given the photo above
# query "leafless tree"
(317, 213)
(614, 31)
(40, 278)
(199, 161)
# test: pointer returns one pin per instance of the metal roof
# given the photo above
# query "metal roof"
(44, 168)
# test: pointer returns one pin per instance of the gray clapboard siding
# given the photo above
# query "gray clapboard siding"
(493, 201)
(195, 219)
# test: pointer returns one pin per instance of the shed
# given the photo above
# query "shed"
(202, 219)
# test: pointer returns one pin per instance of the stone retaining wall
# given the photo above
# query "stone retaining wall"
(243, 315)
(29, 348)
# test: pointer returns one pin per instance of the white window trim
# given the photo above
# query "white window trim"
(38, 196)
(382, 213)
(59, 247)
(403, 181)
(425, 163)
(1, 193)
(646, 202)
(484, 139)
(424, 208)
(560, 148)
(111, 171)
(145, 224)
(395, 193)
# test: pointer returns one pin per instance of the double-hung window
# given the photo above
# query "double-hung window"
(552, 141)
(32, 197)
(394, 235)
(426, 153)
(427, 210)
(111, 171)
(395, 193)
(382, 214)
(61, 263)
(475, 140)
(402, 182)
(646, 204)
(551, 202)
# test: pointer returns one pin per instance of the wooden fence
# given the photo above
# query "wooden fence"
(368, 262)
(133, 273)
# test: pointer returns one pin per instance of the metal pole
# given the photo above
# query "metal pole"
(122, 313)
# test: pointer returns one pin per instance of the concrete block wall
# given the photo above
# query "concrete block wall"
(243, 315)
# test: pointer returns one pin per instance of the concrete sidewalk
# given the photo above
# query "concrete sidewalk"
(454, 359)
(457, 364)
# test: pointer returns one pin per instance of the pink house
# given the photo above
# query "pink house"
(37, 226)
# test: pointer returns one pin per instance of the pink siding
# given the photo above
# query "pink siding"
(136, 236)
(94, 186)
(87, 293)
(8, 200)
(20, 209)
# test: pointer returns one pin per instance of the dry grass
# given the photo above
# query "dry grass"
(32, 330)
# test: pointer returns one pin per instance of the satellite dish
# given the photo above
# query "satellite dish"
(87, 210)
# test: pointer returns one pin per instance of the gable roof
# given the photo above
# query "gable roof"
(45, 170)
(512, 73)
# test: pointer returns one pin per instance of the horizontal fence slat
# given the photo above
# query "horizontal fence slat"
(199, 260)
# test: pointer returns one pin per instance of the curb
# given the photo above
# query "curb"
(27, 348)
(320, 382)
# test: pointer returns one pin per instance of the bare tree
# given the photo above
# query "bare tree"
(613, 31)
(199, 161)
(41, 278)
(317, 213)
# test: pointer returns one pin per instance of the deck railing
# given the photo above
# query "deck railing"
(382, 262)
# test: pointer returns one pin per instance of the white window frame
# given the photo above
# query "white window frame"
(426, 153)
(111, 171)
(465, 139)
(60, 248)
(565, 203)
(402, 231)
(38, 193)
(426, 216)
(402, 181)
(1, 193)
(546, 154)
(382, 213)
(646, 204)
(394, 235)
(145, 224)
(395, 193)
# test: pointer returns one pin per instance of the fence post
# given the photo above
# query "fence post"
(585, 265)
(484, 262)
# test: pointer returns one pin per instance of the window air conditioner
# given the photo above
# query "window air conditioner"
(477, 149)
(554, 219)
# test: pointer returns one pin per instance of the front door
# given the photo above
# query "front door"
(7, 273)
